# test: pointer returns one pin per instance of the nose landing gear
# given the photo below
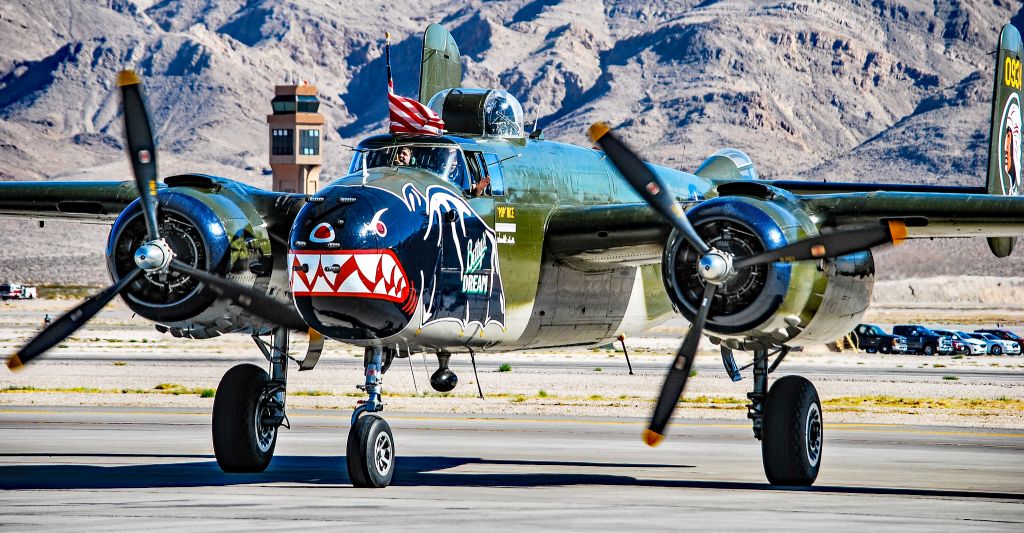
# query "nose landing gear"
(370, 452)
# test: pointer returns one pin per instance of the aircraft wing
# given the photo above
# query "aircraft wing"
(604, 236)
(96, 202)
(925, 214)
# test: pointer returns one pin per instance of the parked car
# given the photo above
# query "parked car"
(922, 340)
(965, 344)
(871, 339)
(1004, 334)
(1001, 346)
(992, 345)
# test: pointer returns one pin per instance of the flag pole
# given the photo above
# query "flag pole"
(387, 60)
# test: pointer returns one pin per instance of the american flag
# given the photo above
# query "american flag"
(407, 114)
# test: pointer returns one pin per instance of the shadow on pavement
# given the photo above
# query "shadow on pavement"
(412, 471)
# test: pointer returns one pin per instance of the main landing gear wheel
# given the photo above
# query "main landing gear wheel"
(791, 441)
(370, 452)
(242, 441)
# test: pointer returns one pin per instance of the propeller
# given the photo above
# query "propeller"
(252, 300)
(69, 323)
(717, 267)
(154, 255)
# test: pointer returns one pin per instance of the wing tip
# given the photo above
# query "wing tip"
(127, 77)
(598, 130)
(652, 438)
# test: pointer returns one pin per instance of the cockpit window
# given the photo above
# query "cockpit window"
(445, 161)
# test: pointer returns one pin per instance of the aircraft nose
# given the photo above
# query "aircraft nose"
(345, 271)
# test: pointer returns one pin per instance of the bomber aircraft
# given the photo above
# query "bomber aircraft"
(488, 237)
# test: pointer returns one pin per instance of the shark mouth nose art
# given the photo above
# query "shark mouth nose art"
(355, 273)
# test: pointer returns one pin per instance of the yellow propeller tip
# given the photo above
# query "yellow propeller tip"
(14, 363)
(598, 130)
(898, 231)
(127, 77)
(653, 439)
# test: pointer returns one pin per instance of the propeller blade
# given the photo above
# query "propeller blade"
(69, 323)
(140, 145)
(829, 245)
(678, 373)
(647, 184)
(252, 300)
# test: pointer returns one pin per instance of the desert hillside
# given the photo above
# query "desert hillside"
(889, 90)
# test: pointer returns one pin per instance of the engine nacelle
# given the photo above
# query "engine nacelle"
(795, 304)
(209, 225)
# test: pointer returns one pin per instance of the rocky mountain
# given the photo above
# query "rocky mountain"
(863, 90)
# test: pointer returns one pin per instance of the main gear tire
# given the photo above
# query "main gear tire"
(792, 438)
(242, 442)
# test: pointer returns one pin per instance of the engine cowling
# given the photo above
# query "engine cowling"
(209, 229)
(796, 304)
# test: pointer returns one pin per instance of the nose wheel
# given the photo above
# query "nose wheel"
(370, 453)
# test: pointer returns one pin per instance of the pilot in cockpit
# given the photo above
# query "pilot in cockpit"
(403, 157)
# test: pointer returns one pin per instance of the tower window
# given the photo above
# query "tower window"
(309, 142)
(282, 142)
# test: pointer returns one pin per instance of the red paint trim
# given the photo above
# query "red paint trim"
(321, 274)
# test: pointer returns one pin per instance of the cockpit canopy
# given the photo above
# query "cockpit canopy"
(437, 155)
(479, 112)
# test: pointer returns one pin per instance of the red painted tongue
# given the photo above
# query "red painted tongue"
(322, 232)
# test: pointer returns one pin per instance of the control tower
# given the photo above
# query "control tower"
(296, 127)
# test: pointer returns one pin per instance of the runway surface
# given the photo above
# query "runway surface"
(91, 469)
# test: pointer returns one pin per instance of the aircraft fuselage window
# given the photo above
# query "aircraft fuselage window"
(480, 178)
(444, 161)
(493, 168)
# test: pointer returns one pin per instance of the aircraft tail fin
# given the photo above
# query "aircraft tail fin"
(441, 66)
(1005, 158)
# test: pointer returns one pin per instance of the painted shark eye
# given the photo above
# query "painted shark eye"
(381, 229)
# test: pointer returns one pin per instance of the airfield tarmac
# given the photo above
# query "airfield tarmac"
(111, 430)
(96, 469)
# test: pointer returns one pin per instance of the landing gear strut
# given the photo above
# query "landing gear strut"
(787, 420)
(370, 453)
(249, 408)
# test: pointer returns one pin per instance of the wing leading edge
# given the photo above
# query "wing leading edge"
(85, 201)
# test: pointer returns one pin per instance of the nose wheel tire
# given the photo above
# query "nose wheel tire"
(791, 441)
(241, 441)
(370, 453)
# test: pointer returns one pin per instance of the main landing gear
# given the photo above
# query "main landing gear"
(786, 419)
(249, 408)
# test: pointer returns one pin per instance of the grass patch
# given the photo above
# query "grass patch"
(207, 393)
(505, 367)
(595, 397)
(939, 365)
(693, 373)
(1002, 403)
(950, 378)
(120, 363)
(168, 386)
(311, 393)
(598, 369)
(542, 393)
(958, 357)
